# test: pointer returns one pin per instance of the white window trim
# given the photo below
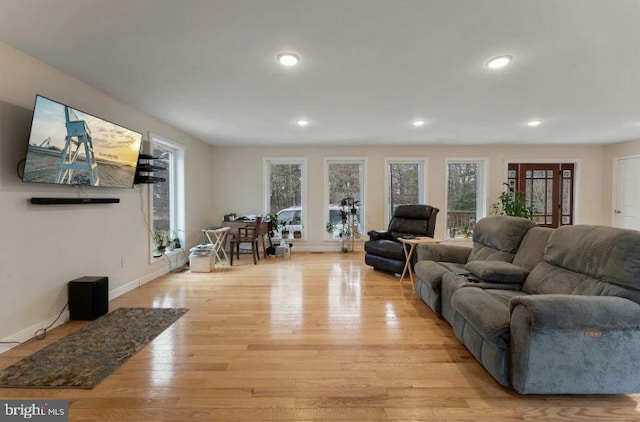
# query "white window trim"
(399, 160)
(482, 200)
(325, 211)
(177, 195)
(266, 163)
(577, 162)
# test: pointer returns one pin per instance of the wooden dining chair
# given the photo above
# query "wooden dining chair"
(248, 234)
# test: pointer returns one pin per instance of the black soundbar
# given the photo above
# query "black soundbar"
(69, 201)
(148, 179)
(149, 167)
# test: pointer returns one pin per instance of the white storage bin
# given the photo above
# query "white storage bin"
(282, 251)
(201, 264)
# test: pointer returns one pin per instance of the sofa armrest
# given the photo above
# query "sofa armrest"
(380, 235)
(497, 271)
(556, 311)
(568, 344)
(442, 253)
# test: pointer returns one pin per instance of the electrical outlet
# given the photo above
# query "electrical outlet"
(123, 261)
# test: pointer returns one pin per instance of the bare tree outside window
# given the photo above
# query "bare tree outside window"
(463, 188)
(286, 186)
(162, 207)
(405, 184)
(285, 193)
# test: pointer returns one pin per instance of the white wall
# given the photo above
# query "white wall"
(43, 247)
(238, 176)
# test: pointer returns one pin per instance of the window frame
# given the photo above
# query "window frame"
(422, 194)
(176, 194)
(481, 195)
(363, 191)
(266, 179)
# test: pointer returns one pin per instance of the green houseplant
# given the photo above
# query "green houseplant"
(160, 240)
(284, 229)
(297, 234)
(274, 224)
(512, 203)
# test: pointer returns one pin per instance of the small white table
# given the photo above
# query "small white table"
(409, 253)
(218, 241)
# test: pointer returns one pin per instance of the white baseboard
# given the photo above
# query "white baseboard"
(333, 247)
(28, 332)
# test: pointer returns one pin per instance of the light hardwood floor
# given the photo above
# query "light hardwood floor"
(312, 337)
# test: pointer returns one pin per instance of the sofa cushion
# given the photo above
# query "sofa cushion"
(606, 253)
(497, 271)
(385, 248)
(531, 249)
(548, 279)
(593, 287)
(497, 238)
(452, 282)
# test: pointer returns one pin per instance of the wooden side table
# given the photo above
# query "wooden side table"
(409, 253)
(218, 241)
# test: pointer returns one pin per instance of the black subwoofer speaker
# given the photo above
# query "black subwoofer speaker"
(88, 298)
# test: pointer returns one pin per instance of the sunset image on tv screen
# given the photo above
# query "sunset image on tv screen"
(68, 146)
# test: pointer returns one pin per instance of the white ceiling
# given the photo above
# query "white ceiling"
(369, 67)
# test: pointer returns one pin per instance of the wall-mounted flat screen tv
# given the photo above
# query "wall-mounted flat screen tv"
(70, 147)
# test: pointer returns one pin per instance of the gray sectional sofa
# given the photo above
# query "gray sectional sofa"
(559, 314)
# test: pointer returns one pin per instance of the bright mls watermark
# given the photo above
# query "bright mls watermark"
(34, 410)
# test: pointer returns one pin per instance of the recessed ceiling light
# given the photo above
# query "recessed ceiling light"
(302, 122)
(534, 123)
(498, 62)
(288, 59)
(418, 122)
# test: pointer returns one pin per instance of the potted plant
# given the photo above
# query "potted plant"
(466, 232)
(512, 203)
(160, 240)
(343, 216)
(273, 223)
(297, 234)
(453, 232)
(344, 233)
(284, 232)
(175, 240)
(330, 227)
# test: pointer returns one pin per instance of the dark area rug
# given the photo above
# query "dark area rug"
(84, 358)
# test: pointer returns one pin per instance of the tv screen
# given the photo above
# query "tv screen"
(70, 147)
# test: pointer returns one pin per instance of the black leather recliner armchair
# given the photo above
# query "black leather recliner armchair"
(383, 250)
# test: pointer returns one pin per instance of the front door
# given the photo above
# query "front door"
(626, 212)
(548, 187)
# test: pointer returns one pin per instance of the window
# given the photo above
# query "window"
(285, 192)
(344, 195)
(405, 183)
(167, 198)
(466, 201)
